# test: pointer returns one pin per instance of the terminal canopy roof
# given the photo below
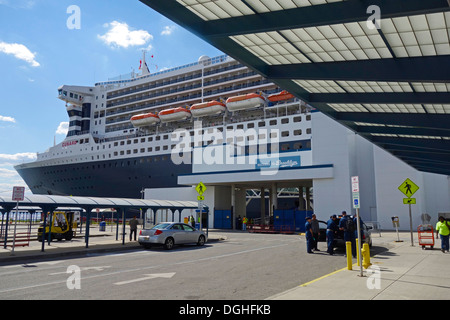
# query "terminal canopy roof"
(387, 81)
(47, 201)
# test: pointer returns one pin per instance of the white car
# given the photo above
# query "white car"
(169, 234)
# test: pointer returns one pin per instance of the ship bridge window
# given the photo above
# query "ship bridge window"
(298, 119)
(297, 132)
(285, 134)
(285, 120)
(250, 125)
(150, 139)
(308, 131)
(261, 124)
(273, 122)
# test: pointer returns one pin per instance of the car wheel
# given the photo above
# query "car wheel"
(201, 240)
(169, 243)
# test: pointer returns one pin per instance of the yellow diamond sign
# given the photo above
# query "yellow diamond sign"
(201, 188)
(408, 188)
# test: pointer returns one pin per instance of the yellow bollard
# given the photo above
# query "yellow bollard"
(366, 255)
(348, 246)
(357, 252)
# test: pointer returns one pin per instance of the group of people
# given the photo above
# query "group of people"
(346, 224)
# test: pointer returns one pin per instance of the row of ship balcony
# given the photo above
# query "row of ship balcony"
(185, 98)
(178, 80)
(186, 88)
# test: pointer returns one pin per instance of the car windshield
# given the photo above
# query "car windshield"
(161, 226)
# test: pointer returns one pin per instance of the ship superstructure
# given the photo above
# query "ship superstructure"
(122, 133)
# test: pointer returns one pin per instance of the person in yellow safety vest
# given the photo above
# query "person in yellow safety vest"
(244, 223)
(443, 229)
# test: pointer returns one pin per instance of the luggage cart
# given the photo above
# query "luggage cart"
(426, 236)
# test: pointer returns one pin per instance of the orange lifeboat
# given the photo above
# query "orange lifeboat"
(174, 114)
(246, 101)
(280, 96)
(143, 120)
(207, 108)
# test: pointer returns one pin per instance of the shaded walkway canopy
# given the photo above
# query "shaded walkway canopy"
(48, 203)
(390, 83)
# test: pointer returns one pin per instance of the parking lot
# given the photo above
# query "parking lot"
(241, 266)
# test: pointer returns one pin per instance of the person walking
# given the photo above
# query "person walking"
(309, 235)
(316, 231)
(347, 225)
(332, 228)
(443, 229)
(244, 223)
(133, 227)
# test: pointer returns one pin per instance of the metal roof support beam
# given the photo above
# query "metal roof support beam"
(416, 69)
(364, 130)
(434, 121)
(308, 16)
(430, 144)
(381, 97)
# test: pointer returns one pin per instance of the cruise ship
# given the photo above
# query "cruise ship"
(142, 131)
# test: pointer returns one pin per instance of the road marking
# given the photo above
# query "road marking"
(148, 277)
(101, 268)
(109, 274)
(322, 277)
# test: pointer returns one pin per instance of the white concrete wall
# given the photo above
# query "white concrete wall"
(432, 197)
(330, 145)
(380, 174)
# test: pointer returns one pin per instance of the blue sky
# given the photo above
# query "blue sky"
(39, 52)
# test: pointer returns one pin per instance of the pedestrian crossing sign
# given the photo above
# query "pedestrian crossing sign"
(408, 188)
(201, 188)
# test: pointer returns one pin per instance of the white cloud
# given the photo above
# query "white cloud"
(120, 35)
(168, 30)
(25, 156)
(8, 175)
(63, 128)
(7, 119)
(20, 52)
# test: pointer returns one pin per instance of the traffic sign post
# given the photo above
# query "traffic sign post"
(408, 188)
(200, 188)
(17, 195)
(356, 205)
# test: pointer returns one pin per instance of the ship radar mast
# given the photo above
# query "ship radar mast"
(144, 66)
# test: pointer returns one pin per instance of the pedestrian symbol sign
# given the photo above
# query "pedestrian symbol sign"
(408, 188)
(201, 188)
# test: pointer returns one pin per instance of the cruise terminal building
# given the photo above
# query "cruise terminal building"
(380, 98)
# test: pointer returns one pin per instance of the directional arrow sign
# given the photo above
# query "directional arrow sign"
(148, 277)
